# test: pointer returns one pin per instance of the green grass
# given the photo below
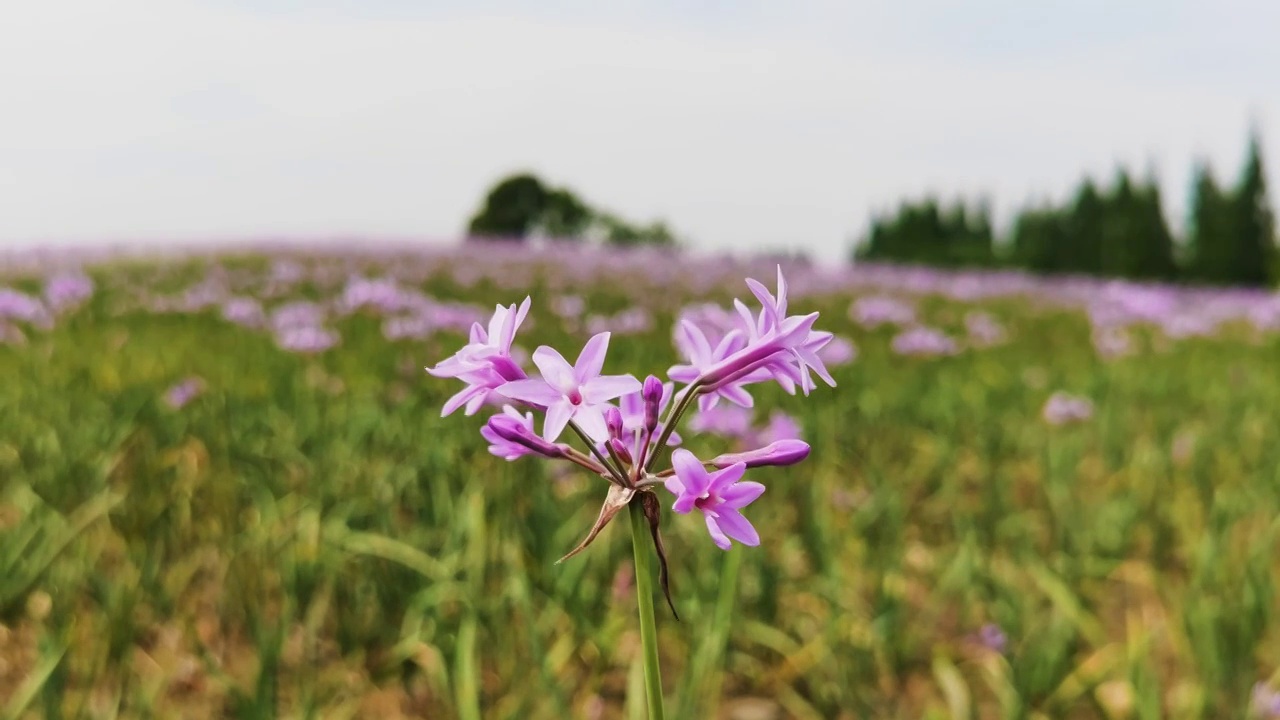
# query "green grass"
(309, 538)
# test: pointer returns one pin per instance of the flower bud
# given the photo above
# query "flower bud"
(652, 395)
(782, 452)
(613, 421)
(620, 448)
(513, 431)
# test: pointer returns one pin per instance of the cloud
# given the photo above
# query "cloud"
(188, 119)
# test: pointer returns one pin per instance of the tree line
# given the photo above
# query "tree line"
(522, 205)
(1118, 230)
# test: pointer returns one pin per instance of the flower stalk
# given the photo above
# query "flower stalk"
(648, 624)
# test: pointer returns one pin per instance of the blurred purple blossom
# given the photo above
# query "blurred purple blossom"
(727, 420)
(1063, 408)
(244, 311)
(1264, 701)
(877, 310)
(839, 351)
(184, 392)
(781, 426)
(992, 637)
(17, 305)
(67, 290)
(568, 307)
(306, 339)
(983, 329)
(924, 341)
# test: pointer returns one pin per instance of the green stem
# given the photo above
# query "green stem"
(616, 475)
(644, 597)
(668, 427)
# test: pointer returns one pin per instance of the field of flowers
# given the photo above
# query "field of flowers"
(226, 490)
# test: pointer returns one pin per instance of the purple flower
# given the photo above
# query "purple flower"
(568, 306)
(993, 638)
(729, 421)
(781, 427)
(243, 311)
(768, 346)
(17, 305)
(839, 351)
(67, 290)
(511, 436)
(780, 453)
(572, 392)
(1063, 408)
(879, 310)
(306, 339)
(923, 341)
(983, 329)
(693, 345)
(184, 392)
(485, 363)
(1265, 701)
(297, 314)
(718, 495)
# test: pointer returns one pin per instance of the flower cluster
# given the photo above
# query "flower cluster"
(624, 425)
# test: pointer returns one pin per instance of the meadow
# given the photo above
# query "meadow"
(226, 490)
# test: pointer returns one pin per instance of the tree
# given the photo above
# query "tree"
(1210, 229)
(512, 209)
(1040, 239)
(1252, 241)
(564, 216)
(620, 232)
(1085, 226)
(1152, 255)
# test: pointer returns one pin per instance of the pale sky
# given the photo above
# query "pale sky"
(744, 124)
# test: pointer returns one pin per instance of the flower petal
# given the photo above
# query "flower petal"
(591, 419)
(591, 359)
(690, 471)
(737, 527)
(513, 324)
(740, 495)
(461, 398)
(736, 395)
(475, 403)
(607, 387)
(558, 414)
(693, 343)
(496, 324)
(716, 534)
(533, 391)
(555, 369)
(721, 479)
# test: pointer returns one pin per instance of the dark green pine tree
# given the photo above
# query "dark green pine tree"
(1253, 243)
(1040, 240)
(1210, 235)
(1152, 256)
(1085, 226)
(1119, 240)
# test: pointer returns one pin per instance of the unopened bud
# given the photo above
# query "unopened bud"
(613, 421)
(512, 430)
(652, 395)
(620, 449)
(782, 452)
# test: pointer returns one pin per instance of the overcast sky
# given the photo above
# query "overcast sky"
(745, 124)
